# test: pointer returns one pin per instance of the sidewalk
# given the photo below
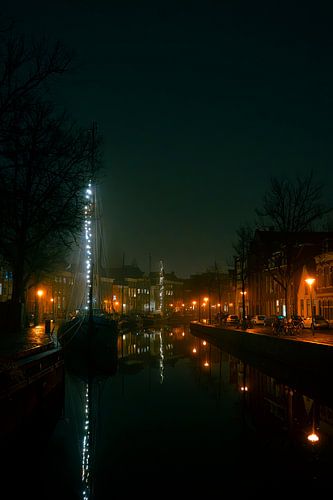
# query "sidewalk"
(304, 335)
(13, 345)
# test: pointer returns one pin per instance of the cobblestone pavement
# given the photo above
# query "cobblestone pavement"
(13, 343)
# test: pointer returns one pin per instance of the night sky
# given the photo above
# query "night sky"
(199, 104)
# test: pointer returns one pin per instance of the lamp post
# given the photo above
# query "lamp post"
(39, 294)
(243, 294)
(205, 302)
(310, 282)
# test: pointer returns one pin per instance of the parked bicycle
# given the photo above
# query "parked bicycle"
(278, 326)
(293, 327)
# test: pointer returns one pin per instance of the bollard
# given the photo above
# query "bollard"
(48, 326)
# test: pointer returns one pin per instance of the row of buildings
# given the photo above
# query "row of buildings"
(274, 283)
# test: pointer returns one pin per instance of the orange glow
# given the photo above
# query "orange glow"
(313, 437)
(204, 342)
(310, 281)
(206, 299)
(194, 350)
(40, 293)
(206, 363)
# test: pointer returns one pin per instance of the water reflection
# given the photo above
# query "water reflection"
(192, 416)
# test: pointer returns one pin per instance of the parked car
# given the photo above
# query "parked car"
(271, 320)
(232, 319)
(258, 319)
(317, 321)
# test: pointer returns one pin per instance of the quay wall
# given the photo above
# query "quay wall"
(309, 363)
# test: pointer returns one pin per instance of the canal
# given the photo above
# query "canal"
(178, 416)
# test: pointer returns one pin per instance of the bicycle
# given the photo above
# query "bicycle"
(292, 327)
(277, 327)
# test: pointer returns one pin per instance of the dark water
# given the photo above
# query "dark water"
(181, 417)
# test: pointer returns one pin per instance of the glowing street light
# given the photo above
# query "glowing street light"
(39, 295)
(313, 436)
(310, 282)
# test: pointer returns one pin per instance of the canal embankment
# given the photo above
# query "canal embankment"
(308, 364)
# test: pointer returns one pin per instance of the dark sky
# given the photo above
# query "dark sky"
(199, 104)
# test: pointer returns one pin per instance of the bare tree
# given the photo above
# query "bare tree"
(289, 209)
(293, 207)
(242, 247)
(45, 163)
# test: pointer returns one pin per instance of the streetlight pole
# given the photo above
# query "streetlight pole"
(243, 293)
(310, 282)
(39, 294)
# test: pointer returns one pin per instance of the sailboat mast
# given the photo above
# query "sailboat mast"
(88, 239)
(122, 285)
(162, 287)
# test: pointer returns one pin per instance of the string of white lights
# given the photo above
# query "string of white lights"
(86, 448)
(88, 238)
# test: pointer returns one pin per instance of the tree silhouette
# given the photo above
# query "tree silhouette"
(45, 163)
(290, 209)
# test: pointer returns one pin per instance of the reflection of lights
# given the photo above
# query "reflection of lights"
(161, 358)
(40, 293)
(244, 388)
(313, 437)
(86, 448)
(183, 334)
(194, 350)
(204, 342)
(206, 363)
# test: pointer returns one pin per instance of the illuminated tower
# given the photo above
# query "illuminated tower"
(162, 291)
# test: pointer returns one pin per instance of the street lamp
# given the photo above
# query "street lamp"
(205, 301)
(243, 293)
(39, 294)
(310, 282)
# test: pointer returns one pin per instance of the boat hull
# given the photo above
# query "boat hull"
(90, 346)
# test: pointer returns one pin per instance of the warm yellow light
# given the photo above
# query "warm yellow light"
(194, 302)
(310, 281)
(206, 299)
(204, 342)
(194, 350)
(243, 293)
(313, 437)
(40, 293)
(52, 300)
(206, 363)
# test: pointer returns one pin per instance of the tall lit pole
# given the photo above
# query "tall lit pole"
(243, 293)
(39, 294)
(205, 302)
(310, 282)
